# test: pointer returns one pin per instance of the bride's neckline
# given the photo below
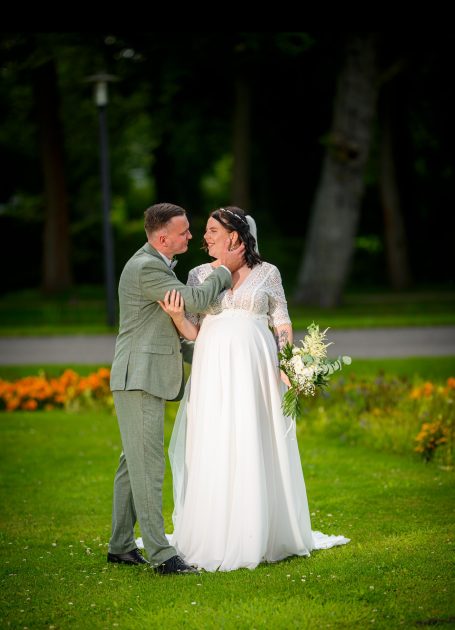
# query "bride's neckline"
(234, 290)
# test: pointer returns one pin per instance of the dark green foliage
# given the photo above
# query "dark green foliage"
(170, 127)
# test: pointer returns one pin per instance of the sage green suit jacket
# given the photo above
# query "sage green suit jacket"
(148, 350)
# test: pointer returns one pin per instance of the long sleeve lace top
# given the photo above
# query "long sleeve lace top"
(260, 293)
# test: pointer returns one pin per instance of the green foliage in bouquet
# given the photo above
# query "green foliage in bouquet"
(307, 368)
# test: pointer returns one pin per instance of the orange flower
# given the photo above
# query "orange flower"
(30, 405)
(416, 393)
(12, 404)
(431, 435)
(428, 389)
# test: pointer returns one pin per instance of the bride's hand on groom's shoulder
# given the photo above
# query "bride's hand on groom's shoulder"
(174, 305)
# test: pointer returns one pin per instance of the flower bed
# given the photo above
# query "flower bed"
(387, 413)
(67, 391)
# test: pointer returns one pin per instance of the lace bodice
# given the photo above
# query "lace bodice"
(260, 293)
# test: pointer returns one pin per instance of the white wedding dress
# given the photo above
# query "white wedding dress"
(239, 491)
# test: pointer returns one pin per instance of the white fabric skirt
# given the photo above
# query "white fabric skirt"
(239, 490)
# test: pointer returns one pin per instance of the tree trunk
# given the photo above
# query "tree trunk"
(56, 263)
(240, 190)
(336, 208)
(394, 228)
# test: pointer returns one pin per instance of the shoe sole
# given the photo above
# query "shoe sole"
(177, 572)
(119, 561)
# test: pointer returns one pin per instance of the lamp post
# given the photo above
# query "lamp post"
(101, 82)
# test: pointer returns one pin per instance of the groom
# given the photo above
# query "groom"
(148, 370)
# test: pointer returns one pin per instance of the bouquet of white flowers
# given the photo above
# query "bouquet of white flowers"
(307, 368)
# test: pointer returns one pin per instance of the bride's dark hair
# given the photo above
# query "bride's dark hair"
(233, 219)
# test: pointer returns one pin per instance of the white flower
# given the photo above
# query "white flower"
(297, 364)
(313, 343)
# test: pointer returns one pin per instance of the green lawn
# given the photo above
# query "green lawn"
(83, 310)
(366, 310)
(56, 486)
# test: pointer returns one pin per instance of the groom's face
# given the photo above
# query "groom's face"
(177, 235)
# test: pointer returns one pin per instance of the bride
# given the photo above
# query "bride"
(239, 491)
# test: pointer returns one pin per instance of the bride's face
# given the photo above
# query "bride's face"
(216, 236)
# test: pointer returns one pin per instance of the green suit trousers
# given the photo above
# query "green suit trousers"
(139, 479)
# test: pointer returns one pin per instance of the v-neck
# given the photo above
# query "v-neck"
(237, 288)
(233, 291)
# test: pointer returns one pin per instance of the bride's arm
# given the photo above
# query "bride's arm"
(279, 316)
(283, 335)
(174, 306)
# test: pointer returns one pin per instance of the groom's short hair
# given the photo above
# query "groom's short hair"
(157, 216)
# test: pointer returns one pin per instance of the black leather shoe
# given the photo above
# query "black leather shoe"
(175, 565)
(132, 557)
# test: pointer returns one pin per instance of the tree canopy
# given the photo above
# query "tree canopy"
(173, 118)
